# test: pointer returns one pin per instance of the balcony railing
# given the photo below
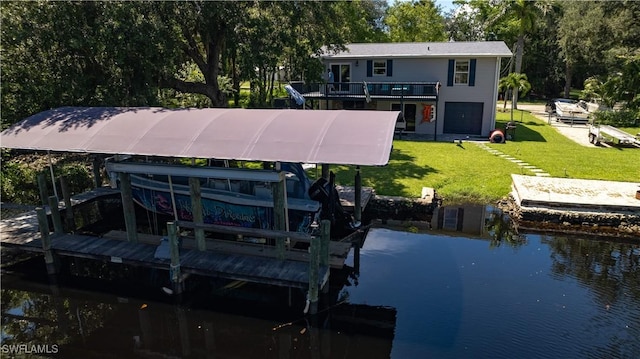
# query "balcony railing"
(368, 90)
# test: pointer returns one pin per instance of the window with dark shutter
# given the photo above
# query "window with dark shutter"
(461, 76)
(379, 68)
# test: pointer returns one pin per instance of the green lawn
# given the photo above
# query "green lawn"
(541, 145)
(468, 173)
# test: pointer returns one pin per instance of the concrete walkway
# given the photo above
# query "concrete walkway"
(577, 133)
(524, 165)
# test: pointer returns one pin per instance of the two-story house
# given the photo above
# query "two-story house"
(441, 87)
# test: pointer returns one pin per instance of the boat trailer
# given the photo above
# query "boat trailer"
(610, 134)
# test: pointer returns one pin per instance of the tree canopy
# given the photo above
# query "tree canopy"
(197, 53)
(141, 53)
(415, 21)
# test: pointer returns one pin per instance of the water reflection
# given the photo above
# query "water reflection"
(415, 295)
(611, 272)
(541, 298)
(479, 221)
(88, 324)
(612, 269)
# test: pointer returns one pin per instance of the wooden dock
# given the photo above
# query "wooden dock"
(338, 251)
(207, 263)
(23, 228)
(234, 260)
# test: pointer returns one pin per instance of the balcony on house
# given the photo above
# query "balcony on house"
(369, 90)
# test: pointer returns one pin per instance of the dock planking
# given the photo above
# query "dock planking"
(338, 251)
(20, 230)
(23, 228)
(212, 264)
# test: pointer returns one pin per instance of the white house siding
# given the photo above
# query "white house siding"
(429, 62)
(483, 91)
(433, 70)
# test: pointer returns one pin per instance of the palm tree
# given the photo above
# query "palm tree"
(515, 82)
(524, 14)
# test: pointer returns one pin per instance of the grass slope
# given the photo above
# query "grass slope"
(468, 173)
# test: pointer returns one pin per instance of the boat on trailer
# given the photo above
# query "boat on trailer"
(570, 111)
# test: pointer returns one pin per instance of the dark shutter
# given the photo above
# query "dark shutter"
(472, 72)
(389, 67)
(369, 68)
(452, 66)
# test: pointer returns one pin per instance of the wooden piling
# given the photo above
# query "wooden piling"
(95, 168)
(356, 257)
(314, 268)
(196, 210)
(43, 223)
(325, 237)
(66, 196)
(357, 211)
(183, 327)
(49, 258)
(58, 229)
(284, 345)
(42, 187)
(314, 339)
(128, 207)
(174, 270)
(146, 329)
(209, 339)
(325, 171)
(332, 195)
(280, 213)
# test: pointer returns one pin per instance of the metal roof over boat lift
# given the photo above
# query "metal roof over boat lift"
(312, 136)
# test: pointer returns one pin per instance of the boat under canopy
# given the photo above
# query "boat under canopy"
(317, 136)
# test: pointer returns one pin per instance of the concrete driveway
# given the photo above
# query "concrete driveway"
(576, 133)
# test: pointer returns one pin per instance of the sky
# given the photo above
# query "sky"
(446, 5)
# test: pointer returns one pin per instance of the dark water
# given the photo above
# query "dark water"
(551, 297)
(415, 296)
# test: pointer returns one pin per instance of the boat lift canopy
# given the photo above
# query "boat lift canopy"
(307, 136)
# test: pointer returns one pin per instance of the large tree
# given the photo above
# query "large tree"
(415, 21)
(200, 30)
(598, 39)
(167, 53)
(287, 37)
(520, 15)
(88, 53)
(582, 39)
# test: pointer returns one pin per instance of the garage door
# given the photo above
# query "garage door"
(463, 117)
